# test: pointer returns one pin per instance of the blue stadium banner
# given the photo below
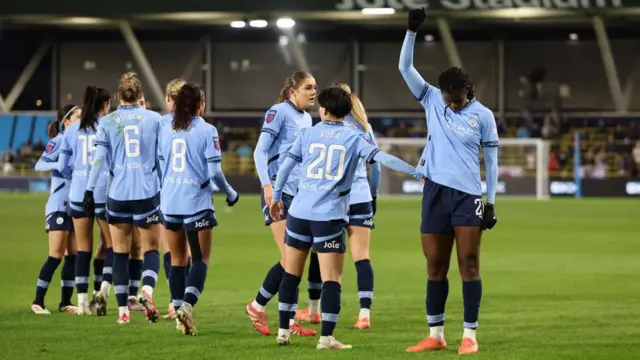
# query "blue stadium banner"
(126, 8)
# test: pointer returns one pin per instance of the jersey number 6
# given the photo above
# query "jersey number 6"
(131, 144)
(315, 171)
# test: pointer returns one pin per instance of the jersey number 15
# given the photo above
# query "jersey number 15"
(316, 171)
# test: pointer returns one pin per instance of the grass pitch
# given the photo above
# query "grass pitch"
(560, 282)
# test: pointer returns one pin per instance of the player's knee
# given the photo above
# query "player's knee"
(469, 267)
(436, 272)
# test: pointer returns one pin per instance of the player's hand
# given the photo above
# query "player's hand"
(416, 18)
(234, 201)
(276, 210)
(489, 220)
(374, 205)
(268, 194)
(87, 203)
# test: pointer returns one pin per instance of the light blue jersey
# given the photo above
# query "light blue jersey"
(328, 154)
(451, 155)
(59, 195)
(127, 140)
(167, 119)
(189, 161)
(282, 125)
(362, 191)
(78, 146)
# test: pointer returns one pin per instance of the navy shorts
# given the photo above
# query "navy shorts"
(286, 201)
(320, 236)
(361, 215)
(201, 220)
(139, 213)
(444, 208)
(76, 211)
(58, 221)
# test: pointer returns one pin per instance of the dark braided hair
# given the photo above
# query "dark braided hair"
(455, 79)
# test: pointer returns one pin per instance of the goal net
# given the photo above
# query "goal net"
(523, 167)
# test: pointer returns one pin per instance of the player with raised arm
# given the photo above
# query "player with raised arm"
(127, 143)
(282, 125)
(452, 205)
(171, 95)
(362, 208)
(190, 158)
(328, 154)
(59, 225)
(77, 144)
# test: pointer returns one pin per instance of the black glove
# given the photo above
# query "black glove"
(489, 220)
(416, 18)
(373, 204)
(88, 204)
(231, 203)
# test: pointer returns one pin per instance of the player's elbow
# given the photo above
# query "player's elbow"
(39, 166)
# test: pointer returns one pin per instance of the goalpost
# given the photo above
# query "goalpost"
(523, 167)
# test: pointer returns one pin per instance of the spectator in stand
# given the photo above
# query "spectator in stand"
(38, 147)
(26, 149)
(548, 131)
(636, 152)
(522, 132)
(7, 162)
(245, 154)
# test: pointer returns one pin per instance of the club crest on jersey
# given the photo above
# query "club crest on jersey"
(473, 122)
(50, 146)
(271, 115)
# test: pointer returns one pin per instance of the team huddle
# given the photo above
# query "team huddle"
(147, 180)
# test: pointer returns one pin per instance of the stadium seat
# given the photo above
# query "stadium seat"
(22, 131)
(6, 123)
(40, 129)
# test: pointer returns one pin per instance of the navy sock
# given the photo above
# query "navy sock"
(330, 305)
(365, 283)
(295, 304)
(107, 272)
(189, 263)
(46, 273)
(287, 298)
(437, 292)
(471, 295)
(121, 277)
(67, 279)
(177, 285)
(135, 273)
(83, 265)
(151, 268)
(166, 262)
(270, 284)
(195, 282)
(314, 280)
(98, 267)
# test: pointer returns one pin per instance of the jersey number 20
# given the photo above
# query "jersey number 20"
(315, 171)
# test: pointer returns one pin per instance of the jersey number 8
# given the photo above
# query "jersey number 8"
(314, 171)
(178, 154)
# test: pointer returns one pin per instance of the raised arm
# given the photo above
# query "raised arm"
(414, 80)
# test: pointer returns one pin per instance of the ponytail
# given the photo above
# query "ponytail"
(56, 126)
(94, 101)
(284, 95)
(357, 109)
(187, 105)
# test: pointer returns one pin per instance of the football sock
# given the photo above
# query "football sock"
(121, 277)
(330, 304)
(365, 283)
(98, 267)
(67, 282)
(287, 298)
(46, 273)
(270, 285)
(151, 268)
(437, 292)
(177, 284)
(314, 282)
(471, 296)
(83, 264)
(135, 272)
(195, 282)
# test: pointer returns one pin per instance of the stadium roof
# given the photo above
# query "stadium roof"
(72, 13)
